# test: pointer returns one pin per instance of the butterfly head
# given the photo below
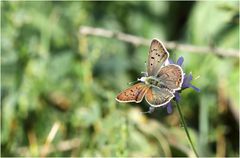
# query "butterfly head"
(149, 80)
(142, 79)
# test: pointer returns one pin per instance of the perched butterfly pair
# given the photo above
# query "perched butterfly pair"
(160, 81)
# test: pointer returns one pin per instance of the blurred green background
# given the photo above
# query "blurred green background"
(58, 87)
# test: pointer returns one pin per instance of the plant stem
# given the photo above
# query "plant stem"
(186, 130)
(86, 30)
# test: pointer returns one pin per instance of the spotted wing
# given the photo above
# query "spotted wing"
(158, 96)
(133, 94)
(156, 57)
(171, 76)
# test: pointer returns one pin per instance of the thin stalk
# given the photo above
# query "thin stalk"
(186, 130)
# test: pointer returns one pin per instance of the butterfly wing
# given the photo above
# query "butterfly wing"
(156, 57)
(133, 94)
(171, 76)
(158, 96)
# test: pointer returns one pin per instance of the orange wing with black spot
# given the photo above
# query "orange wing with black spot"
(156, 57)
(171, 76)
(158, 96)
(133, 94)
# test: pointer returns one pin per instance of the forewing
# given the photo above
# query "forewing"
(156, 57)
(171, 76)
(133, 94)
(158, 96)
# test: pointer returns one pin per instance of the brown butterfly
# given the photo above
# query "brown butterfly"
(160, 82)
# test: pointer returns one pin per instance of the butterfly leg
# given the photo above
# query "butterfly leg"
(151, 109)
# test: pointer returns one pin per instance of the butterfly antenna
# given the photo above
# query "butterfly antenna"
(151, 109)
(144, 74)
(133, 82)
(146, 65)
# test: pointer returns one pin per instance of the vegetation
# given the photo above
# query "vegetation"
(58, 87)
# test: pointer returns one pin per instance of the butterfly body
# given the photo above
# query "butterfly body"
(153, 81)
(159, 83)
